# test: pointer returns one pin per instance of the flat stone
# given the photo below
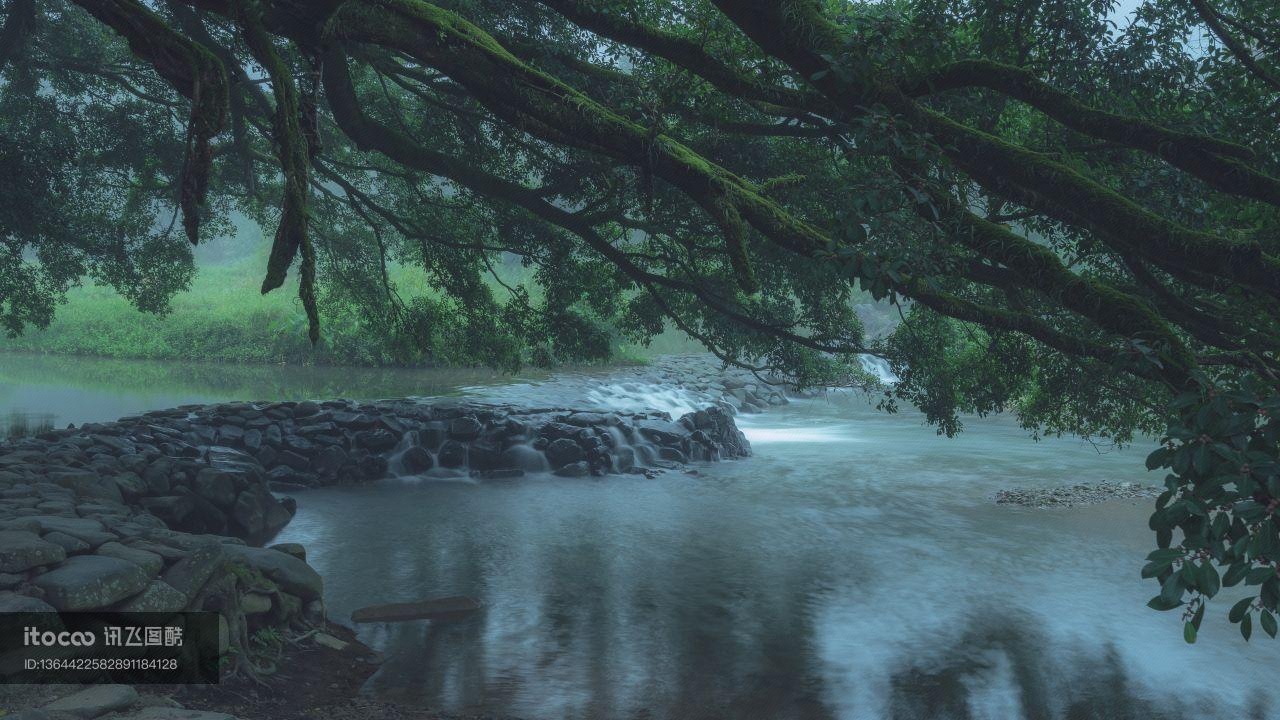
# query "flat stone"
(14, 602)
(295, 549)
(328, 641)
(72, 545)
(21, 551)
(94, 701)
(255, 603)
(159, 596)
(87, 582)
(290, 573)
(86, 529)
(148, 561)
(118, 444)
(188, 575)
(172, 509)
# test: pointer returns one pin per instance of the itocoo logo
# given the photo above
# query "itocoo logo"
(33, 637)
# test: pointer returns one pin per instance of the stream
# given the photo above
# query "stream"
(855, 567)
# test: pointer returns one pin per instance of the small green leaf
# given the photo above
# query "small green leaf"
(1268, 623)
(1189, 633)
(1240, 610)
(1257, 576)
(1235, 574)
(1246, 627)
(1209, 582)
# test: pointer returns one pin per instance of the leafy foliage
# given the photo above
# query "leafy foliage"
(1074, 212)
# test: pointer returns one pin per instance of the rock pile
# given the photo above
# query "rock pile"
(308, 444)
(154, 512)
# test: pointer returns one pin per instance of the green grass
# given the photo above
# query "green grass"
(223, 318)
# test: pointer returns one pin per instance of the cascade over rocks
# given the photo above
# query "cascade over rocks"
(168, 510)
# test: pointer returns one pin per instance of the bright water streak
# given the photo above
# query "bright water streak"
(854, 568)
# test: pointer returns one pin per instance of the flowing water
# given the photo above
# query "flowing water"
(855, 567)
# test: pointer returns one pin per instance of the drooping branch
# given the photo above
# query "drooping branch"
(370, 134)
(682, 52)
(194, 72)
(1216, 162)
(802, 36)
(294, 155)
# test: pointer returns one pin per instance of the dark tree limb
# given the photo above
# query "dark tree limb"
(194, 72)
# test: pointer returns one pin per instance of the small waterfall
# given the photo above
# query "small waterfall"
(878, 368)
(395, 459)
(647, 397)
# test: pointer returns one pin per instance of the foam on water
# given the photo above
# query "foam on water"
(879, 368)
(647, 397)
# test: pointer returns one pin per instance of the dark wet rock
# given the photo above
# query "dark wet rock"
(662, 432)
(465, 429)
(190, 573)
(376, 440)
(85, 582)
(416, 459)
(252, 440)
(563, 451)
(93, 701)
(172, 509)
(159, 596)
(11, 602)
(21, 551)
(148, 561)
(291, 574)
(293, 460)
(294, 549)
(329, 460)
(86, 529)
(574, 469)
(72, 545)
(305, 409)
(452, 454)
(216, 486)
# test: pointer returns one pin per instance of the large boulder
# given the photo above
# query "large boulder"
(11, 602)
(216, 486)
(88, 582)
(190, 574)
(144, 559)
(291, 574)
(159, 596)
(94, 701)
(21, 551)
(563, 452)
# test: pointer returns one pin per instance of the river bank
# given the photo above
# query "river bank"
(759, 588)
(168, 510)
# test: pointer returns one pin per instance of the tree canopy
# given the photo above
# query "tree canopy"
(1074, 209)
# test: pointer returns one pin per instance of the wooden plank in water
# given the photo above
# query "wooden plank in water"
(449, 608)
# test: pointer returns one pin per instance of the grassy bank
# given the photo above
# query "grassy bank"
(223, 318)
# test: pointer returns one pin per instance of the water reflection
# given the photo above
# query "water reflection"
(864, 576)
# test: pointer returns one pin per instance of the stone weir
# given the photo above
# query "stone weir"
(167, 511)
